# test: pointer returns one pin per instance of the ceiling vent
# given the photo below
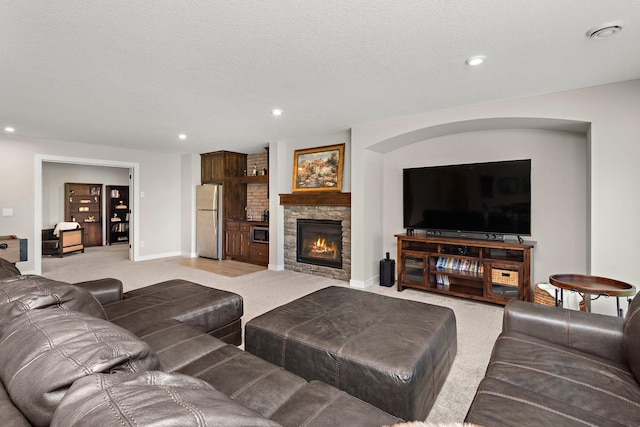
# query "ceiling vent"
(605, 30)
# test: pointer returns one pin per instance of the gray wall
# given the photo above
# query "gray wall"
(157, 200)
(558, 187)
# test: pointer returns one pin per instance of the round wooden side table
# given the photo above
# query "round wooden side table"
(592, 285)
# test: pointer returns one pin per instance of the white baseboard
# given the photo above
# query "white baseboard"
(276, 267)
(362, 284)
(158, 256)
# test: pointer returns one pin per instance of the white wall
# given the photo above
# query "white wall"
(613, 112)
(55, 175)
(558, 187)
(190, 178)
(159, 179)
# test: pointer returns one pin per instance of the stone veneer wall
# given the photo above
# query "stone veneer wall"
(335, 213)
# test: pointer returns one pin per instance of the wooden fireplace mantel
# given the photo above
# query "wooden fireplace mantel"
(316, 199)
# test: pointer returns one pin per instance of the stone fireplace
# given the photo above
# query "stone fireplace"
(310, 219)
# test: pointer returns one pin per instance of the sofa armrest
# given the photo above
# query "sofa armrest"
(595, 334)
(105, 291)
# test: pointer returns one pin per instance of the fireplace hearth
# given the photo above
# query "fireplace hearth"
(319, 242)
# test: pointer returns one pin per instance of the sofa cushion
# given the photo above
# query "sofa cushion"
(500, 403)
(596, 387)
(150, 398)
(245, 378)
(319, 404)
(178, 344)
(177, 299)
(39, 292)
(630, 339)
(42, 352)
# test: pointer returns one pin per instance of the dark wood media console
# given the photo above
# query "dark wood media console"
(485, 270)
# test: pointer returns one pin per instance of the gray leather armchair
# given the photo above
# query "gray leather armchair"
(552, 366)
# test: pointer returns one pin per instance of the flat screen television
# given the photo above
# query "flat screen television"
(487, 198)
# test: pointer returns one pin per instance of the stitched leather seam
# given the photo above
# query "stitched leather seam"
(622, 371)
(179, 343)
(571, 380)
(147, 307)
(206, 289)
(146, 294)
(106, 397)
(161, 330)
(318, 411)
(285, 336)
(364, 362)
(57, 351)
(545, 408)
(98, 337)
(215, 365)
(254, 382)
(120, 407)
(175, 396)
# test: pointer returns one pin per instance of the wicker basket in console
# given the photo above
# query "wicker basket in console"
(504, 277)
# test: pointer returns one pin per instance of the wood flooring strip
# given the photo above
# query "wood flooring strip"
(228, 268)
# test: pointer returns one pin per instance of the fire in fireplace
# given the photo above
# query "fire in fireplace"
(319, 242)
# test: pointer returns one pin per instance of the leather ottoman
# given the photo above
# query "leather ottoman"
(393, 353)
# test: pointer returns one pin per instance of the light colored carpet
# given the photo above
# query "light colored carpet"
(478, 324)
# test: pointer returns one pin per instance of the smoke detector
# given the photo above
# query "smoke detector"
(605, 30)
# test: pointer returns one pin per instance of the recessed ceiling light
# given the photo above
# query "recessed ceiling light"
(9, 129)
(182, 136)
(475, 60)
(604, 30)
(276, 112)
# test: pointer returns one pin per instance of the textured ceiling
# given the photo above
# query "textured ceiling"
(138, 73)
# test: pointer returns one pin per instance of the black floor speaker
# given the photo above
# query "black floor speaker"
(387, 271)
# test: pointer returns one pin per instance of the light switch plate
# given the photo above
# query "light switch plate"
(7, 211)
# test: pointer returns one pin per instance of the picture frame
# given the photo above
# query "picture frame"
(318, 169)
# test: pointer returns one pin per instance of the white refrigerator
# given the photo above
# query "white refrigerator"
(209, 220)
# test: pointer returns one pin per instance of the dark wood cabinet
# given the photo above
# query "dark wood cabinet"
(237, 239)
(83, 204)
(493, 271)
(259, 253)
(226, 167)
(118, 214)
(239, 246)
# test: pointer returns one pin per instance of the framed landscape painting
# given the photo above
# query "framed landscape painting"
(318, 169)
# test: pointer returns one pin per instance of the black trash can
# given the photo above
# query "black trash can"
(387, 271)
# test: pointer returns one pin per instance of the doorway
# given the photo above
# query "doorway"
(70, 169)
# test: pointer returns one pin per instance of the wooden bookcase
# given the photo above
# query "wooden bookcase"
(118, 214)
(485, 270)
(83, 204)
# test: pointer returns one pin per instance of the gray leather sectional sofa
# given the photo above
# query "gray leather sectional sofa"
(557, 367)
(135, 359)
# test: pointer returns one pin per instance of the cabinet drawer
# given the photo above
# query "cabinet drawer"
(244, 226)
(232, 225)
(259, 253)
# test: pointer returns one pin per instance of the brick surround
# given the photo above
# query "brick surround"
(257, 194)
